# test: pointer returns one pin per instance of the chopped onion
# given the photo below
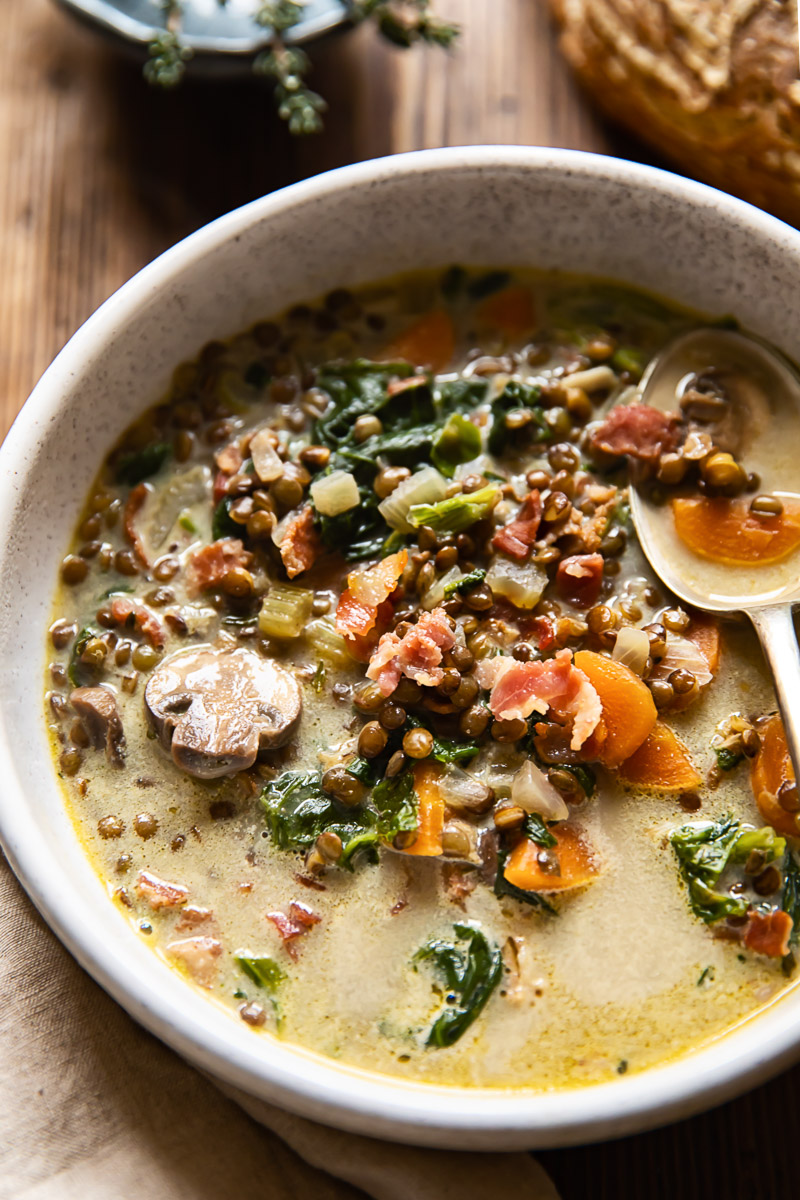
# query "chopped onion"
(594, 379)
(185, 490)
(279, 532)
(533, 792)
(335, 493)
(266, 462)
(632, 648)
(435, 593)
(683, 654)
(424, 487)
(521, 583)
(462, 790)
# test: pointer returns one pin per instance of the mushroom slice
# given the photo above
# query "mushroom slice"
(215, 709)
(97, 708)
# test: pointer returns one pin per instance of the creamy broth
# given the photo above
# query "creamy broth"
(621, 975)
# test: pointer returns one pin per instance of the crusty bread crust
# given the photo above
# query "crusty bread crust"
(712, 83)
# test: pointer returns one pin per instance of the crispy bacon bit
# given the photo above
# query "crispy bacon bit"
(229, 459)
(300, 545)
(299, 921)
(637, 430)
(220, 486)
(459, 882)
(522, 688)
(191, 917)
(516, 538)
(417, 654)
(360, 603)
(133, 504)
(124, 610)
(579, 579)
(199, 955)
(309, 881)
(395, 386)
(207, 567)
(159, 893)
(768, 933)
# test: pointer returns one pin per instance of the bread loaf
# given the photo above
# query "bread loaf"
(712, 83)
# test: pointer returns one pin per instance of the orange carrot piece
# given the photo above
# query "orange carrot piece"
(725, 531)
(629, 711)
(430, 342)
(661, 764)
(510, 310)
(704, 633)
(430, 821)
(769, 770)
(576, 862)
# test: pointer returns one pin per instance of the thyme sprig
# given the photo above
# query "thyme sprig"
(402, 22)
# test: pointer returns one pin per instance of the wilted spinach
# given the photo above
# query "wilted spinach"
(704, 849)
(137, 465)
(470, 967)
(517, 395)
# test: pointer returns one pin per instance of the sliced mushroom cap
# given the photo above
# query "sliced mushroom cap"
(97, 708)
(215, 709)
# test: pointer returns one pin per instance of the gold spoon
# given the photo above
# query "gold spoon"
(763, 385)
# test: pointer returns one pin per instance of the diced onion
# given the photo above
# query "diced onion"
(285, 611)
(435, 593)
(520, 583)
(683, 654)
(335, 493)
(462, 790)
(631, 648)
(533, 792)
(424, 487)
(594, 379)
(266, 462)
(183, 491)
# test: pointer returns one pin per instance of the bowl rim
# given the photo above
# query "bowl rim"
(351, 1099)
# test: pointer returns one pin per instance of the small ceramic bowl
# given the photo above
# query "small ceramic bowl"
(482, 205)
(224, 38)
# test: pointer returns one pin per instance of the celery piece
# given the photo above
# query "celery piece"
(327, 643)
(285, 611)
(456, 512)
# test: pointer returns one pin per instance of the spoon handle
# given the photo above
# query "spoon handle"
(775, 628)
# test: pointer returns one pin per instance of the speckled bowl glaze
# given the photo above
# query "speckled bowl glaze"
(482, 205)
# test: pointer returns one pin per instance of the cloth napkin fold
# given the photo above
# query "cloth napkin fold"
(92, 1107)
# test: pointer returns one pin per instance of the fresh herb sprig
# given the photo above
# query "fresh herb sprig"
(402, 22)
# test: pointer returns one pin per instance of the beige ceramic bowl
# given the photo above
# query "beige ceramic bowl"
(483, 205)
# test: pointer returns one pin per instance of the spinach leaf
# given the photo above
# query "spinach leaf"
(790, 897)
(484, 285)
(79, 672)
(297, 811)
(583, 774)
(765, 840)
(513, 396)
(458, 441)
(459, 395)
(132, 468)
(503, 888)
(263, 971)
(359, 388)
(222, 523)
(446, 750)
(395, 802)
(470, 967)
(534, 828)
(359, 532)
(727, 759)
(465, 583)
(703, 850)
(456, 512)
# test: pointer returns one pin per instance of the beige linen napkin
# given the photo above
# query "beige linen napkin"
(94, 1108)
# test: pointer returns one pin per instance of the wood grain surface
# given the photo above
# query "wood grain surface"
(98, 175)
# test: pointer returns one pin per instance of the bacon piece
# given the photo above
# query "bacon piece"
(124, 610)
(522, 688)
(516, 538)
(300, 545)
(207, 567)
(459, 882)
(637, 430)
(229, 459)
(199, 955)
(159, 893)
(417, 654)
(300, 919)
(220, 486)
(768, 933)
(133, 504)
(579, 579)
(192, 916)
(360, 603)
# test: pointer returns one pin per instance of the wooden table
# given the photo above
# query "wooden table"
(98, 175)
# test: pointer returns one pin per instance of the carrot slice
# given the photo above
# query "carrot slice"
(769, 770)
(661, 764)
(510, 310)
(629, 711)
(430, 821)
(575, 861)
(727, 532)
(704, 633)
(430, 342)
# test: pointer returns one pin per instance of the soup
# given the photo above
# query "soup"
(375, 724)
